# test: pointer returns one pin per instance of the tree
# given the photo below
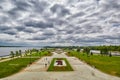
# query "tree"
(101, 52)
(20, 53)
(30, 55)
(110, 55)
(12, 54)
(78, 50)
(87, 50)
(39, 53)
(26, 52)
(91, 53)
(17, 54)
(104, 51)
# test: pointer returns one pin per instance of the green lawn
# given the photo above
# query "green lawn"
(110, 65)
(39, 54)
(15, 65)
(63, 68)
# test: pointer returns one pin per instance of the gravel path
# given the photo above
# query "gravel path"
(82, 71)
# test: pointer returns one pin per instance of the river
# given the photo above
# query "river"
(5, 51)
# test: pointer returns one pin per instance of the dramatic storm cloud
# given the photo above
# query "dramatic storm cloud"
(59, 22)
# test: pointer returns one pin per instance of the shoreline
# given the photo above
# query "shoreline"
(4, 57)
(8, 56)
(5, 51)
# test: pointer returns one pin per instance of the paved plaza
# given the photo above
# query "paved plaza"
(82, 71)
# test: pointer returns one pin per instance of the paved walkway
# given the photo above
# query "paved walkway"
(82, 71)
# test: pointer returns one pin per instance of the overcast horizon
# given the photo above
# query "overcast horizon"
(59, 22)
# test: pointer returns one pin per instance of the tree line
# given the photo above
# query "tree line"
(110, 48)
(104, 50)
(16, 54)
(27, 52)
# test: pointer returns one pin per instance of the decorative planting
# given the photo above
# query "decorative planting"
(60, 64)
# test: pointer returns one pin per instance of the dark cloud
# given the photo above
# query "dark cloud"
(49, 33)
(20, 8)
(91, 28)
(60, 10)
(110, 37)
(57, 21)
(14, 13)
(79, 14)
(82, 21)
(10, 32)
(39, 6)
(75, 22)
(94, 14)
(40, 24)
(3, 19)
(21, 5)
(91, 40)
(40, 37)
(3, 28)
(29, 30)
(111, 5)
(20, 28)
(37, 38)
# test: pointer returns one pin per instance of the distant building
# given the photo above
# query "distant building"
(95, 51)
(115, 53)
(81, 50)
(75, 49)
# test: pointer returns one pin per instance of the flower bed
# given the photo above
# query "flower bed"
(62, 65)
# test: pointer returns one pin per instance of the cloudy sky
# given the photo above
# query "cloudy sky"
(59, 22)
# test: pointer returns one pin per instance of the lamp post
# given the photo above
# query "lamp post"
(40, 54)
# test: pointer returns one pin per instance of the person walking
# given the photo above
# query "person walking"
(45, 64)
(48, 62)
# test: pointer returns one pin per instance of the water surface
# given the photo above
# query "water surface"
(4, 51)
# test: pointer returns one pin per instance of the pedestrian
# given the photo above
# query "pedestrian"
(45, 64)
(48, 62)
